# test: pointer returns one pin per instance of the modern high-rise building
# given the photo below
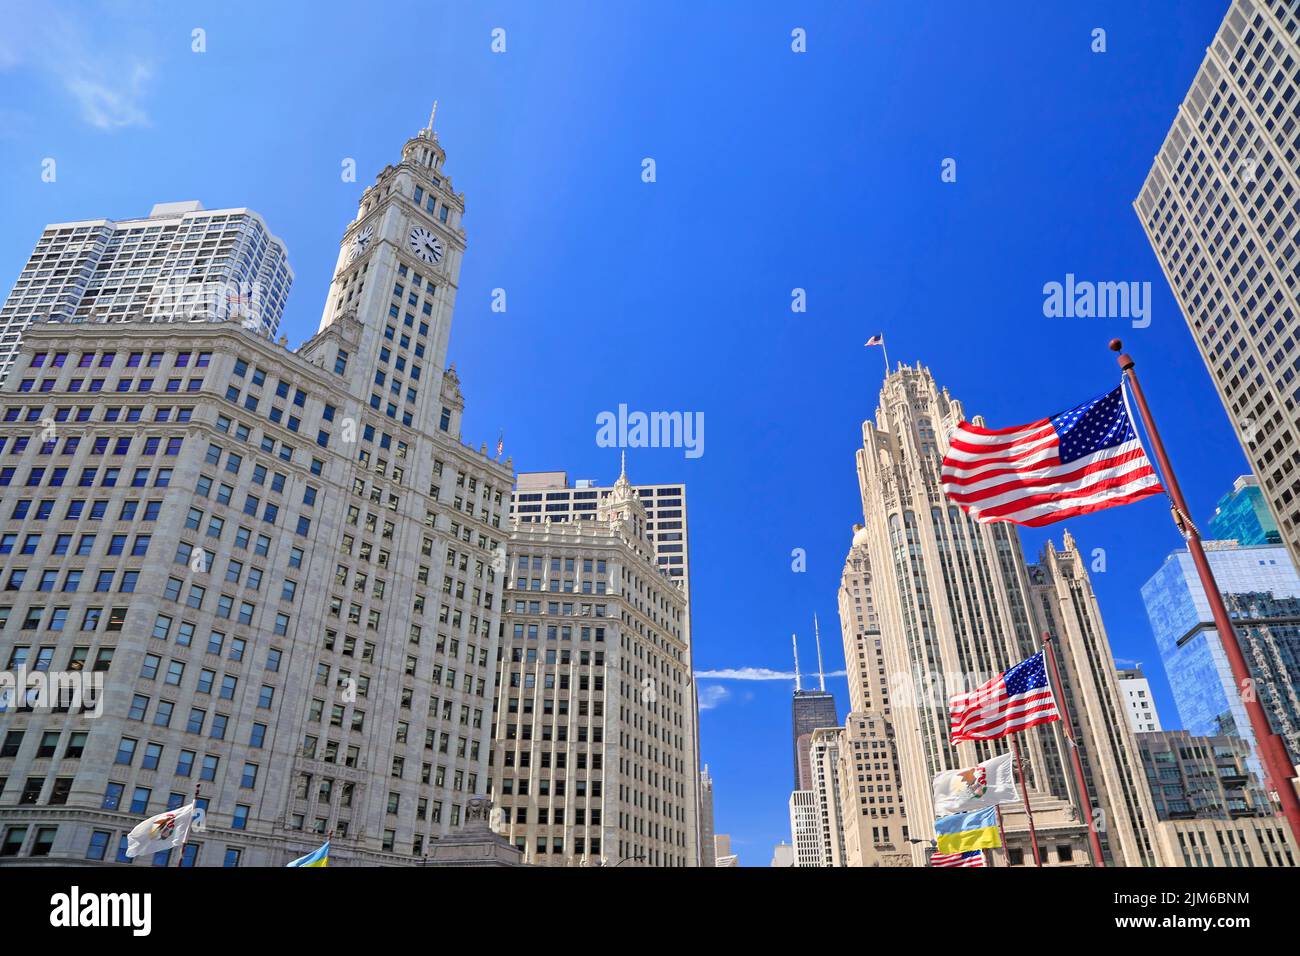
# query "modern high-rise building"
(1242, 515)
(875, 823)
(180, 263)
(957, 604)
(548, 496)
(595, 711)
(1262, 593)
(825, 747)
(283, 566)
(1219, 208)
(805, 829)
(782, 855)
(809, 710)
(721, 851)
(1211, 808)
(1141, 706)
(1201, 778)
(708, 855)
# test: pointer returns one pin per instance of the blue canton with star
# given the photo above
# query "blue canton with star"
(1029, 674)
(1093, 426)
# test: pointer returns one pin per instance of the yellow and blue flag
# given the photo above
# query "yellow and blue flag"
(977, 830)
(318, 857)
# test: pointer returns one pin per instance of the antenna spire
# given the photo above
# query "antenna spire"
(432, 113)
(794, 639)
(821, 676)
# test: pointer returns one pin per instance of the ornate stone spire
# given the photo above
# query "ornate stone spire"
(623, 488)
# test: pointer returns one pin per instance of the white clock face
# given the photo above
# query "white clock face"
(425, 244)
(362, 242)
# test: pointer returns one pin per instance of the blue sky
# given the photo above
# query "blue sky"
(775, 170)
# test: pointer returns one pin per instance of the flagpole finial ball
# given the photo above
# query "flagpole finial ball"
(1116, 345)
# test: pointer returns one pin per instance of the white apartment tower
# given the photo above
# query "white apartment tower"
(180, 263)
(594, 760)
(1220, 207)
(825, 749)
(805, 829)
(285, 567)
(1141, 706)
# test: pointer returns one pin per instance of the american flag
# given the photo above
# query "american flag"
(1081, 460)
(969, 858)
(1018, 698)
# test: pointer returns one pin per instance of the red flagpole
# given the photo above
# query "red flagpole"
(1024, 795)
(1002, 835)
(1085, 803)
(1272, 752)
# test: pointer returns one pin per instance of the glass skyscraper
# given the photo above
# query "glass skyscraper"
(1262, 592)
(1242, 515)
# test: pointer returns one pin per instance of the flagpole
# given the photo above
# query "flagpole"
(1272, 752)
(1085, 802)
(1006, 853)
(180, 857)
(1024, 795)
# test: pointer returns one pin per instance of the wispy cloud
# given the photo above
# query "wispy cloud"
(756, 673)
(713, 696)
(106, 106)
(108, 84)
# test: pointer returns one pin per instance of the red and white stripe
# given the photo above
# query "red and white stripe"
(987, 712)
(957, 859)
(1016, 475)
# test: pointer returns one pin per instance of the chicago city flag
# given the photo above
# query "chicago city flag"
(160, 832)
(1083, 459)
(984, 785)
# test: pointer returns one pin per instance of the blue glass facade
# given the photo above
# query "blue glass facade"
(1262, 592)
(1242, 516)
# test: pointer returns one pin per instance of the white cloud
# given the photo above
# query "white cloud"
(756, 673)
(107, 107)
(712, 696)
(108, 84)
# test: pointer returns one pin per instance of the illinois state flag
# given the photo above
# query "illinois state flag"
(1083, 459)
(960, 832)
(984, 785)
(160, 832)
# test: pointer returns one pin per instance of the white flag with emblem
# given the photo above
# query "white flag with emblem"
(989, 783)
(160, 832)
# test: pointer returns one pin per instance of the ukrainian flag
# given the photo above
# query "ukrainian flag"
(977, 830)
(320, 857)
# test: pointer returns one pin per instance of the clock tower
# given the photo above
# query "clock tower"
(396, 275)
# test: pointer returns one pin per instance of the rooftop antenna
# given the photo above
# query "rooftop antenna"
(817, 634)
(432, 113)
(794, 639)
